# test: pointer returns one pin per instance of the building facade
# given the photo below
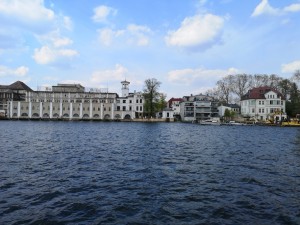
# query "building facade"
(72, 102)
(262, 103)
(174, 104)
(198, 108)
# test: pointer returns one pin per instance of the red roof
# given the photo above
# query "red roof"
(259, 93)
(173, 100)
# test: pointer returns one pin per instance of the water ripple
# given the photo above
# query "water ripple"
(136, 173)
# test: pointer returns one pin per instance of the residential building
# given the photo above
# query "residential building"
(231, 107)
(262, 103)
(174, 104)
(197, 108)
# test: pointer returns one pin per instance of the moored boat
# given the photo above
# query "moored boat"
(210, 122)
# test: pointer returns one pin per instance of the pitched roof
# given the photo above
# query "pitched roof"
(175, 99)
(259, 93)
(19, 85)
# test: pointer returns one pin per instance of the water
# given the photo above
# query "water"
(140, 173)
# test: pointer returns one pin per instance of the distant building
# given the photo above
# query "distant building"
(198, 108)
(17, 91)
(262, 103)
(174, 104)
(167, 114)
(231, 107)
(70, 102)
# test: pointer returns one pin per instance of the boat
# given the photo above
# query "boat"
(210, 122)
(233, 123)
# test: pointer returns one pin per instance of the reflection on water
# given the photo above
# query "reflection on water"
(140, 173)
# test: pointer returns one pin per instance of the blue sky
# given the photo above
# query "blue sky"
(188, 45)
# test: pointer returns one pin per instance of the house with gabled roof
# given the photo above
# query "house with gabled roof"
(262, 103)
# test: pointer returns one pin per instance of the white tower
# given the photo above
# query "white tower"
(125, 88)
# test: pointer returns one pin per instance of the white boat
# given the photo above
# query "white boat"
(210, 122)
(233, 123)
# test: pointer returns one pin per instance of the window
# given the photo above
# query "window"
(108, 108)
(124, 101)
(137, 108)
(263, 110)
(118, 108)
(253, 110)
(271, 102)
(130, 108)
(124, 108)
(263, 102)
(98, 108)
(259, 102)
(130, 101)
(141, 100)
(137, 101)
(141, 108)
(259, 110)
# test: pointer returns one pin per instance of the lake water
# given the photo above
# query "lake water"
(148, 173)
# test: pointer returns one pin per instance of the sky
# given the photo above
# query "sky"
(187, 45)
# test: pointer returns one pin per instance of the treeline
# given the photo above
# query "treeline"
(232, 88)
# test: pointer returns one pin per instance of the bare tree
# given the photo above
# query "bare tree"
(258, 80)
(224, 87)
(274, 81)
(241, 84)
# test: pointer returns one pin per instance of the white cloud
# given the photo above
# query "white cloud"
(67, 22)
(290, 67)
(132, 35)
(102, 12)
(59, 42)
(189, 76)
(196, 31)
(117, 74)
(29, 10)
(20, 71)
(106, 36)
(264, 8)
(292, 8)
(54, 38)
(47, 55)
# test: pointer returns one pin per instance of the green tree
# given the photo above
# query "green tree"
(162, 103)
(227, 114)
(293, 106)
(151, 96)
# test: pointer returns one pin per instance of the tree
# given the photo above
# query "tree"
(296, 77)
(228, 114)
(162, 103)
(285, 87)
(293, 106)
(151, 96)
(224, 87)
(242, 83)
